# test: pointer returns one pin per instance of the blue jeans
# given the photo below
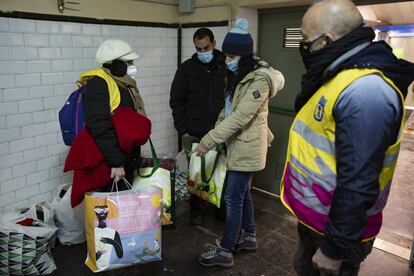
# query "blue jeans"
(240, 211)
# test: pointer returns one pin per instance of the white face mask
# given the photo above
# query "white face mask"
(132, 71)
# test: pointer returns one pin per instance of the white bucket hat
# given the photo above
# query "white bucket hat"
(112, 49)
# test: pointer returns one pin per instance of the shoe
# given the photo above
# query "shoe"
(196, 217)
(215, 255)
(247, 242)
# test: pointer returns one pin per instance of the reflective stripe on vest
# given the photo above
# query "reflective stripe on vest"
(309, 179)
(114, 94)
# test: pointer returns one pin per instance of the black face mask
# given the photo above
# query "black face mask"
(306, 46)
(309, 57)
(317, 61)
(117, 67)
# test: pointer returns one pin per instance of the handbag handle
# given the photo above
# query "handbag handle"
(155, 162)
(204, 179)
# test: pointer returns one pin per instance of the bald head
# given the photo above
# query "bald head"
(335, 18)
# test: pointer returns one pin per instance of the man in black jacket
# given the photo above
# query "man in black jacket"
(197, 97)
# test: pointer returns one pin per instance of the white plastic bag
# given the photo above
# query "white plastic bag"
(43, 211)
(70, 221)
(26, 249)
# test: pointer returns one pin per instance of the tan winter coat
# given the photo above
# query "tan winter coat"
(245, 129)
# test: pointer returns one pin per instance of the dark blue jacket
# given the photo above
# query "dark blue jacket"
(368, 116)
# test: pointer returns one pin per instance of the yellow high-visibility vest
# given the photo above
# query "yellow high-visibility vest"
(309, 179)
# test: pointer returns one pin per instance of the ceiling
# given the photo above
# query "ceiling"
(397, 13)
(265, 4)
(401, 13)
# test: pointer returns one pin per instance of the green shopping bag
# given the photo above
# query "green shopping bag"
(161, 178)
(206, 175)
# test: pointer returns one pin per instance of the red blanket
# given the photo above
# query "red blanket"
(86, 160)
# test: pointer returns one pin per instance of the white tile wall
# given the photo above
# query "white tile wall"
(187, 43)
(39, 64)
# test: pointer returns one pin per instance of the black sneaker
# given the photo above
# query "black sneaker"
(196, 217)
(247, 242)
(215, 255)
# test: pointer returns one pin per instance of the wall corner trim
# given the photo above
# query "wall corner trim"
(78, 19)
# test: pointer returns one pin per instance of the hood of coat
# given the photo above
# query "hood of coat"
(274, 77)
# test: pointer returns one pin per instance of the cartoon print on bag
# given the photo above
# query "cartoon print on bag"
(106, 239)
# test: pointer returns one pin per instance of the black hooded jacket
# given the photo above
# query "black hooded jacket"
(98, 119)
(197, 94)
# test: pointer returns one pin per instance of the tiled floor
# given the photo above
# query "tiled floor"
(180, 247)
(399, 212)
(277, 239)
(276, 235)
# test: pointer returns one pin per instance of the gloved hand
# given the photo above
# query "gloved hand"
(324, 264)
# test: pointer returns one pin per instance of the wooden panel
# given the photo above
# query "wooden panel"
(401, 13)
(381, 14)
(404, 12)
(393, 14)
(367, 13)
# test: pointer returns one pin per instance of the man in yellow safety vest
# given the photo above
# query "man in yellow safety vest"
(344, 141)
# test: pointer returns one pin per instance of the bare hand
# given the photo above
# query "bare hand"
(117, 173)
(200, 150)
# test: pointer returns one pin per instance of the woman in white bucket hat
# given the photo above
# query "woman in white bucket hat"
(102, 97)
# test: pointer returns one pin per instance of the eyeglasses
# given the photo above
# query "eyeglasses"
(307, 45)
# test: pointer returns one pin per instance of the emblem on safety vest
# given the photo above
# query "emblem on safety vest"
(320, 107)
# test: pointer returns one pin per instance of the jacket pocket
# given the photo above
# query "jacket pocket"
(248, 136)
(246, 150)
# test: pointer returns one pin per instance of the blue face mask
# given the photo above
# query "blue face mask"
(205, 57)
(233, 65)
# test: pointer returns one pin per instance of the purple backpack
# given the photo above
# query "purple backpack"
(71, 116)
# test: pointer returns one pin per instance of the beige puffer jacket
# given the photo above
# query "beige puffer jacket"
(245, 129)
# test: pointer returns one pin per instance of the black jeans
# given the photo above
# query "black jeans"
(310, 241)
